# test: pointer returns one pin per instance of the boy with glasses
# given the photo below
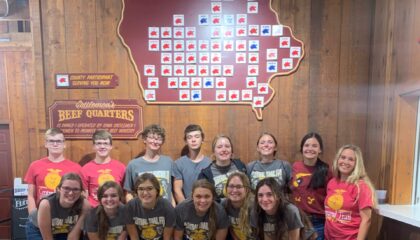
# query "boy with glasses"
(152, 162)
(44, 175)
(102, 168)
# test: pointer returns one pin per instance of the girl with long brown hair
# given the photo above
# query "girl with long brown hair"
(275, 217)
(201, 217)
(108, 219)
(150, 216)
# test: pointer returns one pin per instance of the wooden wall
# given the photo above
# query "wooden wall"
(328, 93)
(358, 83)
(394, 91)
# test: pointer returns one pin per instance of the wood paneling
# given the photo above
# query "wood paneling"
(392, 105)
(329, 86)
(361, 61)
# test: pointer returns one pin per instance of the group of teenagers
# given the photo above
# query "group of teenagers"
(196, 197)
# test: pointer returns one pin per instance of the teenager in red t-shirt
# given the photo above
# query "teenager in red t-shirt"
(44, 175)
(309, 181)
(350, 197)
(102, 168)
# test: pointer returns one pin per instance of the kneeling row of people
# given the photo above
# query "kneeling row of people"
(66, 213)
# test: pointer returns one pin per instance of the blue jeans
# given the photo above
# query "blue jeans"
(318, 223)
(33, 233)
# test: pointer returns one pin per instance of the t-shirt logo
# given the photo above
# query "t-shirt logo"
(336, 200)
(149, 231)
(104, 176)
(52, 179)
(163, 185)
(198, 234)
(241, 235)
(299, 178)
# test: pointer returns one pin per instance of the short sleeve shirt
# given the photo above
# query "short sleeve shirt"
(95, 174)
(310, 200)
(194, 226)
(116, 224)
(188, 171)
(162, 169)
(220, 176)
(342, 208)
(234, 219)
(278, 169)
(45, 175)
(292, 220)
(151, 222)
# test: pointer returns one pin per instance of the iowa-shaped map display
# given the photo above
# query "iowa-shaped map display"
(208, 52)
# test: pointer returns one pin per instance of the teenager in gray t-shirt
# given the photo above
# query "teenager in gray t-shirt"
(187, 171)
(116, 224)
(152, 161)
(151, 223)
(188, 167)
(201, 217)
(278, 169)
(108, 219)
(238, 205)
(268, 165)
(148, 215)
(274, 216)
(162, 169)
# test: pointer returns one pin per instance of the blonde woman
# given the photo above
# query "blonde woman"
(350, 197)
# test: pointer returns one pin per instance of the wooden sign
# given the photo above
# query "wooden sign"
(208, 52)
(86, 80)
(123, 118)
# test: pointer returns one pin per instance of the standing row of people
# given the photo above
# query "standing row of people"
(349, 202)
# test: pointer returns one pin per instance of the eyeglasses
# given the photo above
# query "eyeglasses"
(235, 186)
(106, 144)
(69, 189)
(145, 189)
(155, 139)
(52, 141)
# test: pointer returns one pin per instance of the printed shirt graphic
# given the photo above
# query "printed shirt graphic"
(196, 227)
(276, 169)
(151, 222)
(197, 231)
(162, 169)
(309, 200)
(342, 208)
(220, 176)
(46, 175)
(233, 214)
(94, 175)
(150, 228)
(63, 225)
